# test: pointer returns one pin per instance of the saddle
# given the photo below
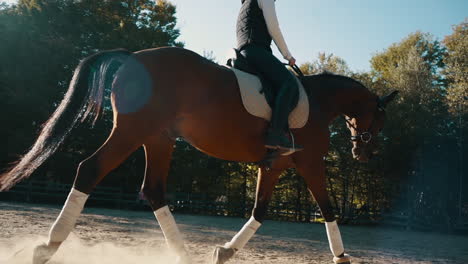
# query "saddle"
(238, 61)
(258, 95)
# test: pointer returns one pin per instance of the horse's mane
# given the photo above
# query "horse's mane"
(316, 82)
(327, 74)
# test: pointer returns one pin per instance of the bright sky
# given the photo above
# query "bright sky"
(351, 29)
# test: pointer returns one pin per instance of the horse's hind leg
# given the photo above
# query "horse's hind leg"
(90, 172)
(158, 158)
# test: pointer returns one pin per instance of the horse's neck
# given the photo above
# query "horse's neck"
(337, 95)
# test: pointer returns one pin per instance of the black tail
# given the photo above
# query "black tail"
(83, 99)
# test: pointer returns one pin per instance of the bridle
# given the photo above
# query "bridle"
(365, 136)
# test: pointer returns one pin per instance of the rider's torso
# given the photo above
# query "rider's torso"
(251, 26)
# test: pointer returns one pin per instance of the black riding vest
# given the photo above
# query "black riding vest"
(251, 26)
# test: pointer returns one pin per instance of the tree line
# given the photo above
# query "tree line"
(419, 171)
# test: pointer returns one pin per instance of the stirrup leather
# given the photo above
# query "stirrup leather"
(293, 149)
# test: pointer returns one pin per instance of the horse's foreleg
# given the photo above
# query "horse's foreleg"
(314, 175)
(115, 150)
(266, 182)
(158, 158)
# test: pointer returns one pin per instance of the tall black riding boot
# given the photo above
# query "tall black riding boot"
(278, 134)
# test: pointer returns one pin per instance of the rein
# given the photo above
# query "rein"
(365, 136)
(296, 69)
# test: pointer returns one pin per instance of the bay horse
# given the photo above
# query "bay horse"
(162, 94)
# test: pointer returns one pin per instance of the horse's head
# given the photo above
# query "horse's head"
(366, 125)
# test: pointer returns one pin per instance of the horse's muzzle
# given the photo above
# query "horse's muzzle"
(360, 155)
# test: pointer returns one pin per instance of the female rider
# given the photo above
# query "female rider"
(257, 26)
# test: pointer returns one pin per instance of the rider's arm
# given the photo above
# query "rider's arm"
(269, 12)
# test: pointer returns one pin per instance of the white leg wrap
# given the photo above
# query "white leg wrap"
(67, 219)
(334, 238)
(170, 230)
(244, 235)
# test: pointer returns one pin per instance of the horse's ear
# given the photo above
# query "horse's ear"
(384, 100)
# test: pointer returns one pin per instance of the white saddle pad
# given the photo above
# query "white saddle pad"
(256, 104)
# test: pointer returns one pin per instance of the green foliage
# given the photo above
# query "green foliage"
(457, 68)
(42, 42)
(418, 140)
(418, 125)
(326, 63)
(430, 51)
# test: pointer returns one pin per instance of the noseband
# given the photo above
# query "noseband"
(365, 136)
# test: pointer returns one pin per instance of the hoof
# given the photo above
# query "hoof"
(222, 254)
(346, 259)
(43, 253)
